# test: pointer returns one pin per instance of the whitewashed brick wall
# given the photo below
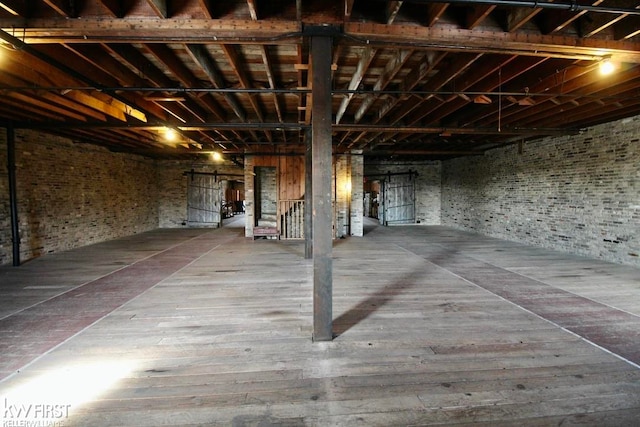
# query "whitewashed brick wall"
(578, 194)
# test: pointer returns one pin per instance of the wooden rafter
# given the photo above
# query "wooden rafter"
(236, 64)
(434, 12)
(160, 7)
(184, 74)
(392, 9)
(517, 17)
(476, 14)
(14, 7)
(64, 8)
(365, 59)
(394, 65)
(202, 58)
(253, 9)
(207, 8)
(113, 7)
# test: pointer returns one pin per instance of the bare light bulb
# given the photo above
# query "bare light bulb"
(170, 134)
(607, 67)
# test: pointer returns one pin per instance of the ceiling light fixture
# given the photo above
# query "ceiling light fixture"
(216, 156)
(170, 134)
(606, 67)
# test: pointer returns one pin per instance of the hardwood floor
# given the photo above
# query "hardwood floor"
(433, 326)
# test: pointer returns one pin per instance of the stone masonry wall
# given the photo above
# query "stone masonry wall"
(71, 195)
(578, 194)
(427, 186)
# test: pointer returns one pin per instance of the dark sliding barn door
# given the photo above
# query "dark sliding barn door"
(203, 201)
(399, 200)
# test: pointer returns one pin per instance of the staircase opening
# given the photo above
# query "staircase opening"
(266, 202)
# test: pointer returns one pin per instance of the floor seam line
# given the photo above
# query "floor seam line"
(100, 277)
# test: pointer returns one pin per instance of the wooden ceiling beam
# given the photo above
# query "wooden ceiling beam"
(115, 111)
(173, 64)
(207, 8)
(408, 102)
(253, 9)
(559, 82)
(152, 30)
(233, 57)
(411, 80)
(14, 7)
(487, 78)
(100, 59)
(453, 40)
(348, 9)
(519, 16)
(557, 20)
(66, 8)
(26, 67)
(18, 110)
(266, 60)
(391, 11)
(88, 30)
(592, 24)
(627, 28)
(168, 57)
(391, 69)
(588, 94)
(459, 65)
(476, 14)
(59, 99)
(44, 105)
(160, 7)
(434, 12)
(356, 78)
(113, 7)
(201, 57)
(429, 63)
(146, 70)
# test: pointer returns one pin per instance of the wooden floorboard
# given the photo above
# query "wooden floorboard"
(433, 327)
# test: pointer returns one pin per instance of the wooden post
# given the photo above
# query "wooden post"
(321, 187)
(308, 199)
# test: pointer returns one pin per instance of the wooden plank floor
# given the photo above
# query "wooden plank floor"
(205, 327)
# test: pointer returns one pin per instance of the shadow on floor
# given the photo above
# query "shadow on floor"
(372, 303)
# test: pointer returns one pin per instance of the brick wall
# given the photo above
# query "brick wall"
(357, 194)
(70, 195)
(427, 185)
(579, 194)
(5, 209)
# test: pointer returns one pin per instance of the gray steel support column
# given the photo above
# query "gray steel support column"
(308, 199)
(321, 188)
(13, 199)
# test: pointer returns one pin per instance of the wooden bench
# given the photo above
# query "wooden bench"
(266, 232)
